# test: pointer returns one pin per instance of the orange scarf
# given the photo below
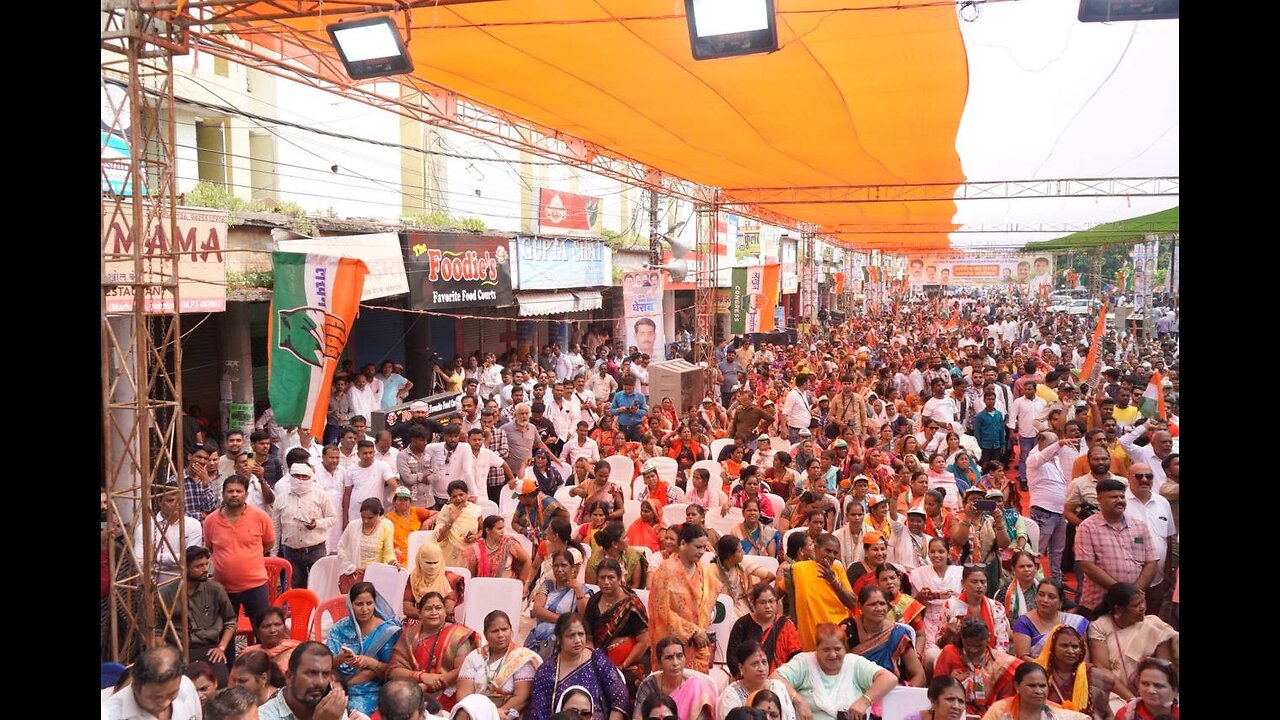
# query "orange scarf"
(987, 619)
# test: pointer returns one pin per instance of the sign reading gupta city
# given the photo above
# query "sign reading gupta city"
(457, 270)
(550, 263)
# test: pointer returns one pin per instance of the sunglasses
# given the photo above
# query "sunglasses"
(975, 566)
(1144, 476)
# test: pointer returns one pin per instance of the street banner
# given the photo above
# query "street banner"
(642, 298)
(569, 214)
(457, 270)
(313, 307)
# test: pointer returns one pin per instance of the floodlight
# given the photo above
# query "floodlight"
(724, 28)
(370, 47)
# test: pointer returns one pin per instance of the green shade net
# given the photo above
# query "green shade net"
(1120, 232)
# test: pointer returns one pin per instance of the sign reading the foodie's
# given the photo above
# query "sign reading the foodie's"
(571, 214)
(457, 270)
(199, 241)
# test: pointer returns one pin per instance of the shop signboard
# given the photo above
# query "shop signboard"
(452, 271)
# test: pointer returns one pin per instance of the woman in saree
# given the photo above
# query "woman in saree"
(1030, 699)
(598, 490)
(973, 603)
(1072, 683)
(617, 623)
(831, 680)
(668, 411)
(908, 446)
(1124, 635)
(1156, 684)
(697, 515)
(362, 645)
(752, 487)
(933, 585)
(577, 668)
(946, 700)
(694, 692)
(369, 538)
(597, 516)
(875, 554)
(1018, 596)
(429, 575)
(540, 470)
(964, 468)
(874, 635)
(605, 434)
(432, 652)
(682, 598)
(985, 673)
(753, 668)
(611, 544)
(738, 580)
(557, 595)
(644, 531)
(902, 607)
(273, 637)
(457, 527)
(756, 537)
(1032, 628)
(850, 535)
(501, 671)
(767, 625)
(498, 555)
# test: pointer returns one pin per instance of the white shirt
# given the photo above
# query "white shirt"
(1158, 515)
(1144, 454)
(564, 417)
(389, 458)
(796, 410)
(572, 450)
(943, 410)
(449, 465)
(490, 379)
(368, 482)
(123, 706)
(164, 539)
(562, 366)
(642, 378)
(1010, 330)
(364, 402)
(481, 463)
(1023, 414)
(296, 510)
(346, 461)
(316, 451)
(1045, 479)
(332, 484)
(601, 387)
(915, 381)
(1004, 398)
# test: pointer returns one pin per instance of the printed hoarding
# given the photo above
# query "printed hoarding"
(457, 270)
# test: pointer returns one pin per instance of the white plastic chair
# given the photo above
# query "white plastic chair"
(525, 543)
(726, 614)
(570, 502)
(752, 562)
(903, 701)
(777, 502)
(464, 572)
(389, 581)
(485, 595)
(566, 471)
(630, 512)
(506, 504)
(667, 468)
(792, 531)
(680, 496)
(637, 485)
(487, 508)
(323, 578)
(673, 513)
(712, 467)
(1033, 535)
(720, 676)
(417, 539)
(622, 470)
(718, 445)
(724, 524)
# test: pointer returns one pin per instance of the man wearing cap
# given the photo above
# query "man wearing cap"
(448, 462)
(732, 373)
(909, 548)
(419, 413)
(306, 514)
(629, 407)
(533, 514)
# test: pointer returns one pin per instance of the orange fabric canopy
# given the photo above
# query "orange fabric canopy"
(854, 96)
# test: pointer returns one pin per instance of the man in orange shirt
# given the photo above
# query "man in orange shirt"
(240, 537)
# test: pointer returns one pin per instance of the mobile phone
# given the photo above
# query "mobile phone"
(250, 456)
(327, 690)
(986, 506)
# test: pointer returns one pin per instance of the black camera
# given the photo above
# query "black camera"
(1086, 509)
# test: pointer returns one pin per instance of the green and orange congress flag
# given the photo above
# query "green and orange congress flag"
(313, 307)
(1091, 360)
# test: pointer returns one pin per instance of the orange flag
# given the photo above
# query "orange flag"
(1091, 360)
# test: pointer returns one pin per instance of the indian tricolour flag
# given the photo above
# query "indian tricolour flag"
(313, 306)
(1151, 404)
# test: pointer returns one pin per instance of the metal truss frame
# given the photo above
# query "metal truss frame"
(141, 350)
(1144, 226)
(704, 297)
(935, 192)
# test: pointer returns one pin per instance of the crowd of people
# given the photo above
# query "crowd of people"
(930, 494)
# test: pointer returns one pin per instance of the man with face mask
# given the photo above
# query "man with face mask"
(306, 514)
